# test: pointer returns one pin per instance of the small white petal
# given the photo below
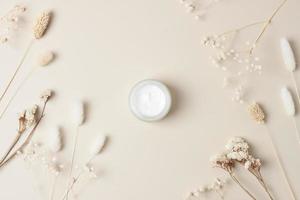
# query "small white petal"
(55, 143)
(288, 55)
(288, 101)
(98, 145)
(78, 113)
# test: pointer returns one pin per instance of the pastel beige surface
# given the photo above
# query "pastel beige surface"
(104, 48)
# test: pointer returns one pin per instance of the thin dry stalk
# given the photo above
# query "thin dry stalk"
(74, 181)
(268, 22)
(261, 180)
(16, 71)
(241, 186)
(16, 92)
(73, 159)
(280, 163)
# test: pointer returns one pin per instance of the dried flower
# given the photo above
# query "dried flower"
(55, 142)
(46, 95)
(46, 58)
(78, 113)
(42, 24)
(288, 101)
(222, 161)
(98, 146)
(288, 55)
(257, 113)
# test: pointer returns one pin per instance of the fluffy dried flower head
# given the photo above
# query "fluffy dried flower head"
(237, 144)
(46, 95)
(42, 24)
(257, 113)
(222, 161)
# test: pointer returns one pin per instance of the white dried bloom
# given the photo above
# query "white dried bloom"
(45, 58)
(288, 55)
(288, 101)
(78, 113)
(55, 143)
(98, 146)
(42, 24)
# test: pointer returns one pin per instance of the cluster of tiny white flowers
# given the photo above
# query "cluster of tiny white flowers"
(233, 62)
(216, 186)
(198, 8)
(35, 153)
(9, 22)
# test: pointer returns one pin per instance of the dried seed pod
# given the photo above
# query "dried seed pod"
(46, 58)
(257, 113)
(42, 24)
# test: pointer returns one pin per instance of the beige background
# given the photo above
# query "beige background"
(104, 48)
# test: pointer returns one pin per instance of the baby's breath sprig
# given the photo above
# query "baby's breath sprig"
(238, 60)
(217, 186)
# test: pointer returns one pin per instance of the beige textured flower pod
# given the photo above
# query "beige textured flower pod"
(45, 58)
(42, 24)
(257, 113)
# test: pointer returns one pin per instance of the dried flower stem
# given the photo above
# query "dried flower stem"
(14, 143)
(16, 92)
(260, 179)
(73, 158)
(284, 174)
(74, 181)
(241, 28)
(266, 26)
(17, 70)
(28, 138)
(241, 186)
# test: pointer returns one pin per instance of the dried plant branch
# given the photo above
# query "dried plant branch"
(29, 136)
(16, 71)
(266, 26)
(15, 93)
(74, 181)
(241, 186)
